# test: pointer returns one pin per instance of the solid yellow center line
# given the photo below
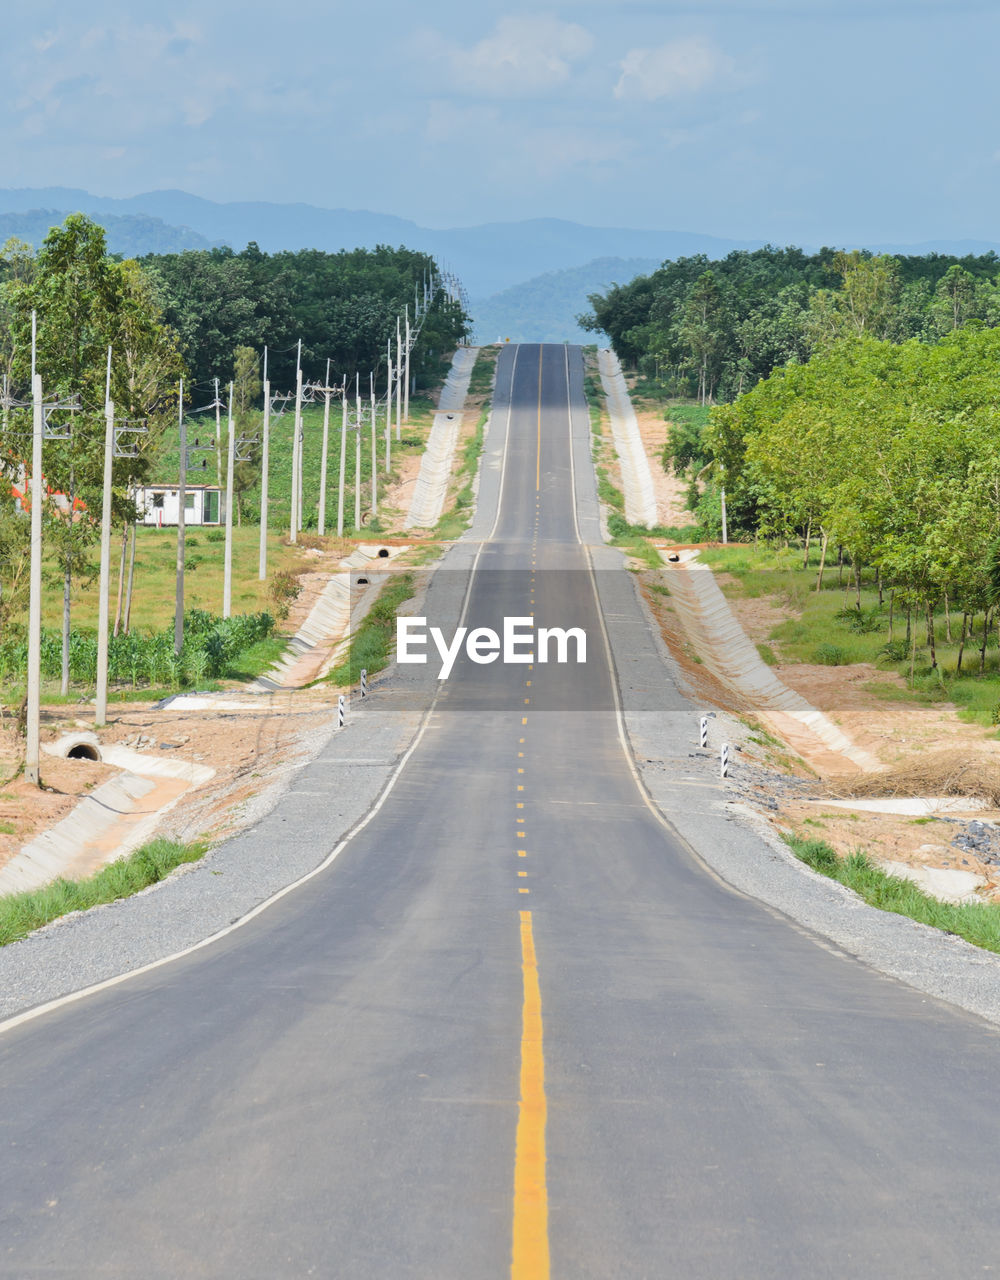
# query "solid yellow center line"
(530, 1257)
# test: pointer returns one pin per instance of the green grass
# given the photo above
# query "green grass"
(372, 646)
(7, 828)
(454, 521)
(21, 913)
(976, 922)
(481, 381)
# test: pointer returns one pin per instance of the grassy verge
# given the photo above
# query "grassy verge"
(371, 648)
(976, 922)
(455, 520)
(21, 913)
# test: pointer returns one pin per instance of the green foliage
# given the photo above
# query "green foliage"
(212, 648)
(976, 922)
(714, 329)
(830, 655)
(21, 913)
(342, 305)
(371, 647)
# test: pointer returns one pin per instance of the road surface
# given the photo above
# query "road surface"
(515, 1029)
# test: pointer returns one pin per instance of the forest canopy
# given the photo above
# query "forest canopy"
(713, 329)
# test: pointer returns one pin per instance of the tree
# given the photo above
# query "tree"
(703, 332)
(246, 393)
(86, 301)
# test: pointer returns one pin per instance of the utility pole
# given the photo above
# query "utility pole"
(357, 455)
(31, 760)
(326, 448)
(374, 450)
(218, 436)
(262, 565)
(181, 517)
(296, 516)
(388, 412)
(104, 580)
(406, 391)
(343, 459)
(227, 573)
(399, 369)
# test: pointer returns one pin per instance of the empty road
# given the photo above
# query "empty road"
(516, 1028)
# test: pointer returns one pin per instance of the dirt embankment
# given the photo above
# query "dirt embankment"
(921, 750)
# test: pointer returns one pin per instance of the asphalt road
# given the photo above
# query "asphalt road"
(515, 1029)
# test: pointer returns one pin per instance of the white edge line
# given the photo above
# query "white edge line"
(623, 737)
(72, 997)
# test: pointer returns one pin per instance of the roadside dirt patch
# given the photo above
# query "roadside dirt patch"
(669, 489)
(249, 751)
(927, 751)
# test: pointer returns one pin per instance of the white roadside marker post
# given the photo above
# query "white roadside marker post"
(724, 759)
(364, 682)
(703, 732)
(341, 711)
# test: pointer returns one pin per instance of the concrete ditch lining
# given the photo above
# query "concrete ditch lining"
(728, 652)
(637, 480)
(114, 820)
(431, 488)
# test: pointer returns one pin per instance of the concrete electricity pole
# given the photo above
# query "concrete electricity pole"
(181, 529)
(406, 389)
(343, 459)
(388, 413)
(31, 760)
(262, 565)
(295, 523)
(399, 370)
(227, 578)
(374, 459)
(218, 436)
(104, 581)
(326, 449)
(357, 454)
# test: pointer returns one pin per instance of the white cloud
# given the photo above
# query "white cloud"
(672, 70)
(521, 57)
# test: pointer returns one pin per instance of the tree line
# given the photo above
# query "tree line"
(712, 329)
(888, 453)
(201, 314)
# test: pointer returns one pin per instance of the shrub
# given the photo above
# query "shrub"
(830, 655)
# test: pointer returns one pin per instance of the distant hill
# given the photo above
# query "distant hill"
(544, 309)
(130, 234)
(486, 258)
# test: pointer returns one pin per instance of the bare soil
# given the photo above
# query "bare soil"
(927, 750)
(670, 491)
(249, 751)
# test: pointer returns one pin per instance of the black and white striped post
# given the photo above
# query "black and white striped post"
(703, 731)
(724, 759)
(364, 682)
(341, 710)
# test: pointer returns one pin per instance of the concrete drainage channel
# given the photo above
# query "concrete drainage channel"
(123, 813)
(115, 819)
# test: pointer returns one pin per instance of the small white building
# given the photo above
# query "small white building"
(158, 504)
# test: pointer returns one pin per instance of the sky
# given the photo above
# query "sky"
(802, 121)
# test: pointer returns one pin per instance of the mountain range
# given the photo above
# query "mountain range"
(506, 267)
